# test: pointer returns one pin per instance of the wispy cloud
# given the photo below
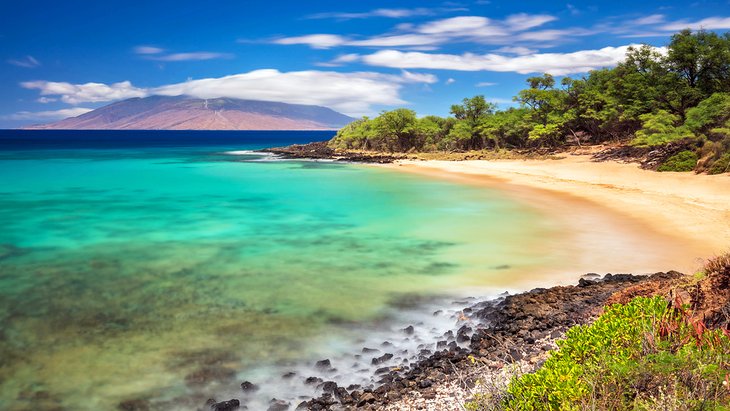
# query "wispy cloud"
(352, 93)
(648, 20)
(555, 63)
(387, 13)
(515, 50)
(193, 56)
(450, 81)
(27, 62)
(85, 93)
(710, 23)
(475, 29)
(47, 115)
(160, 54)
(315, 41)
(148, 50)
(485, 84)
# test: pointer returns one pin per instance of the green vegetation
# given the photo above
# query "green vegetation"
(683, 161)
(640, 356)
(647, 100)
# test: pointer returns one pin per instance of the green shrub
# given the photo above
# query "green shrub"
(683, 161)
(660, 128)
(722, 165)
(631, 357)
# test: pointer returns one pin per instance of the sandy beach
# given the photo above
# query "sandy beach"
(621, 218)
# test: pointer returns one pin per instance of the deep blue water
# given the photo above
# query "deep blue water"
(116, 139)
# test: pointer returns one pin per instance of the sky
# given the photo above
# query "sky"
(64, 58)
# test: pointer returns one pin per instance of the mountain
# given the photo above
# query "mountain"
(188, 113)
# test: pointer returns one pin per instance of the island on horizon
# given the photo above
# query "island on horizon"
(190, 113)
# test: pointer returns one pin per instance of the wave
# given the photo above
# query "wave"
(247, 153)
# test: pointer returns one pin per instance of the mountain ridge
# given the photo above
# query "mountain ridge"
(190, 113)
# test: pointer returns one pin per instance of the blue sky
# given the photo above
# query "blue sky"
(63, 58)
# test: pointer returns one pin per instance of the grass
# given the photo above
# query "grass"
(643, 355)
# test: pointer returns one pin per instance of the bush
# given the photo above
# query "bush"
(721, 165)
(635, 356)
(683, 161)
(660, 128)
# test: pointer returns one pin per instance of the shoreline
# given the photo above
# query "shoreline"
(675, 219)
(611, 209)
(603, 229)
(491, 341)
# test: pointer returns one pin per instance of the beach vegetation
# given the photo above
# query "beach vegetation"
(683, 161)
(659, 128)
(650, 99)
(643, 355)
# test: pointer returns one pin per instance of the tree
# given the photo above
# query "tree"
(702, 60)
(428, 131)
(542, 97)
(472, 109)
(711, 116)
(397, 128)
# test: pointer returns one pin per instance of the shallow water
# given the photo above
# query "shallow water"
(171, 272)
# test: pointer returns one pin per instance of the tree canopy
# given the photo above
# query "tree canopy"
(650, 98)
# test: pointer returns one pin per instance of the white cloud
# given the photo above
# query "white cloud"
(45, 100)
(27, 62)
(388, 13)
(485, 84)
(649, 20)
(418, 77)
(450, 81)
(156, 53)
(398, 41)
(148, 50)
(340, 60)
(477, 29)
(316, 41)
(554, 63)
(523, 21)
(516, 50)
(543, 36)
(456, 25)
(47, 115)
(352, 93)
(710, 23)
(83, 93)
(193, 56)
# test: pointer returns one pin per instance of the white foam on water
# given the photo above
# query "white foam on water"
(351, 354)
(247, 153)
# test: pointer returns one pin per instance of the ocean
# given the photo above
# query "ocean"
(167, 267)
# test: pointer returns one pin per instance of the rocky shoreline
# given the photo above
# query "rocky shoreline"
(321, 151)
(492, 341)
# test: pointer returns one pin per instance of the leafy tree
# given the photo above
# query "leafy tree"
(541, 98)
(397, 128)
(712, 114)
(429, 131)
(702, 60)
(473, 109)
(506, 128)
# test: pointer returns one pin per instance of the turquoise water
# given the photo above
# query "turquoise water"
(126, 272)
